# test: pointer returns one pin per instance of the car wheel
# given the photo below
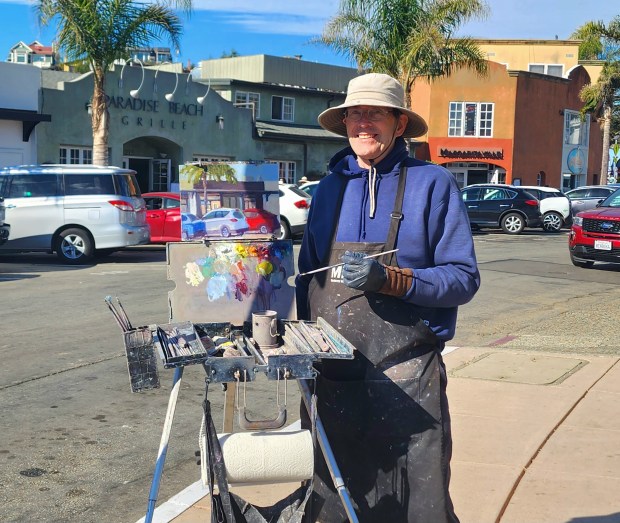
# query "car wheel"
(263, 229)
(184, 236)
(74, 246)
(285, 229)
(584, 264)
(552, 222)
(225, 232)
(513, 223)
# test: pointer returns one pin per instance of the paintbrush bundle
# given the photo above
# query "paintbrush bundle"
(119, 313)
(179, 344)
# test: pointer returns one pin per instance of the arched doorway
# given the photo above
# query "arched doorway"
(155, 160)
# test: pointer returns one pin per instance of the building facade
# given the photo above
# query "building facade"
(37, 54)
(285, 96)
(20, 92)
(519, 124)
(161, 119)
(513, 126)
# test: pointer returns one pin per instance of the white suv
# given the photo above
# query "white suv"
(554, 206)
(294, 206)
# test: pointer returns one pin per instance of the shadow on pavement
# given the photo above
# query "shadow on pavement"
(20, 264)
(608, 518)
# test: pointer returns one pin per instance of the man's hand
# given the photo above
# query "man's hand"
(364, 274)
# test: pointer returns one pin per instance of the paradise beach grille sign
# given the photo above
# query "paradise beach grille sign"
(471, 153)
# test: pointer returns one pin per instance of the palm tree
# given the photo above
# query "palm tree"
(101, 32)
(600, 41)
(406, 39)
(191, 175)
(599, 98)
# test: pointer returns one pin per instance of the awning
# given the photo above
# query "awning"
(29, 119)
(294, 132)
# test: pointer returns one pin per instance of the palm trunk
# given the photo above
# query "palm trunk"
(100, 120)
(606, 143)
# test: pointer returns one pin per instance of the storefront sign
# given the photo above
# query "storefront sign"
(154, 110)
(468, 152)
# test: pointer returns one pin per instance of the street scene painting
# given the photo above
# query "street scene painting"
(221, 200)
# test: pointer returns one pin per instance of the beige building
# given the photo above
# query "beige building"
(520, 124)
(551, 57)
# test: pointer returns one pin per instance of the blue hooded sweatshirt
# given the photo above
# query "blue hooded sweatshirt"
(434, 238)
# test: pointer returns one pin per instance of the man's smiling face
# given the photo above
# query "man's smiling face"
(372, 131)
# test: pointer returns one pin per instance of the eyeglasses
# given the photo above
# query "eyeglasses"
(373, 115)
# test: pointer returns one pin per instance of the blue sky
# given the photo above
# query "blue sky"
(284, 27)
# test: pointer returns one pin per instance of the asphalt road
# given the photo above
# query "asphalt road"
(77, 445)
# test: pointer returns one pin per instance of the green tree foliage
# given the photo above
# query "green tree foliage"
(602, 98)
(231, 54)
(191, 175)
(406, 39)
(100, 32)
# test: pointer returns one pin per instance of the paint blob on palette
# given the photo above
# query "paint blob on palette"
(227, 281)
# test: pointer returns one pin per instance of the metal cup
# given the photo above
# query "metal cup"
(265, 328)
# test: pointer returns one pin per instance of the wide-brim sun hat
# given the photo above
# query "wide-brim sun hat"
(377, 90)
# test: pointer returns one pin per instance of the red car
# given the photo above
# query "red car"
(163, 215)
(262, 221)
(595, 234)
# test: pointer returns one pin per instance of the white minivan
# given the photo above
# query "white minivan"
(76, 211)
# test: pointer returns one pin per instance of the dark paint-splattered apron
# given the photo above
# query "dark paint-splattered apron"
(385, 413)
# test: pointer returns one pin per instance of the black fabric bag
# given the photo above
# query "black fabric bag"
(227, 507)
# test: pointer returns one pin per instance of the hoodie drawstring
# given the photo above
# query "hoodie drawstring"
(372, 180)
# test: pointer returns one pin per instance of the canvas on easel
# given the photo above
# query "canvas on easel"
(222, 200)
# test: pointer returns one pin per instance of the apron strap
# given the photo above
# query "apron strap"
(396, 217)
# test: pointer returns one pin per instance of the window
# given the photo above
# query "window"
(282, 108)
(471, 194)
(497, 194)
(80, 184)
(127, 185)
(171, 203)
(286, 171)
(32, 186)
(549, 69)
(248, 100)
(575, 130)
(470, 119)
(598, 193)
(75, 155)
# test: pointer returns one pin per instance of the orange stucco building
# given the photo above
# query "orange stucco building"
(512, 126)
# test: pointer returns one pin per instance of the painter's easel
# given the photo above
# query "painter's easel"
(189, 304)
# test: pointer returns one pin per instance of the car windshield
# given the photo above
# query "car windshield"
(613, 200)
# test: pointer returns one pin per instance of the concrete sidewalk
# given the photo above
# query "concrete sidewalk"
(536, 440)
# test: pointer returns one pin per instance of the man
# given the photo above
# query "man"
(386, 412)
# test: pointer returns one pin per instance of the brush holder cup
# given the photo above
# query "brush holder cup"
(265, 328)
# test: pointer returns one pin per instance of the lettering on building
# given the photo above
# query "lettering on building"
(151, 112)
(471, 153)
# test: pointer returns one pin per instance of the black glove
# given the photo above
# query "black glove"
(365, 274)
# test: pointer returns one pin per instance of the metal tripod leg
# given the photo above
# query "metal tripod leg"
(330, 460)
(163, 445)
